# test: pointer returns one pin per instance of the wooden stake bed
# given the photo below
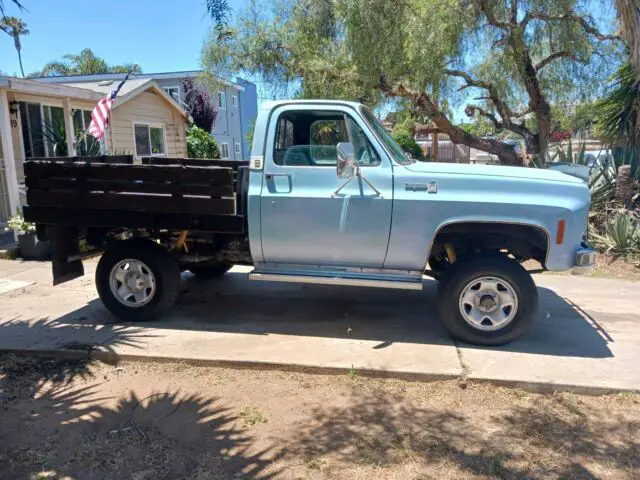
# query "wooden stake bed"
(160, 193)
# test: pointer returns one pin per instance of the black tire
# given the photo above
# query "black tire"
(465, 271)
(160, 262)
(209, 271)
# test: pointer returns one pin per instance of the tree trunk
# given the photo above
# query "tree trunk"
(538, 144)
(506, 153)
(624, 185)
(20, 61)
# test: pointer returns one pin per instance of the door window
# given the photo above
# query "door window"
(310, 139)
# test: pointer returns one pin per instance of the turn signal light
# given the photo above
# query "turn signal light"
(560, 233)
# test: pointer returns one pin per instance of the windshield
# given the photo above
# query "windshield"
(385, 137)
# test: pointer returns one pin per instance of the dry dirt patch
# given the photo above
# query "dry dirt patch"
(152, 421)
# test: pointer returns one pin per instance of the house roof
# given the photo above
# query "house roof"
(117, 76)
(129, 90)
(24, 85)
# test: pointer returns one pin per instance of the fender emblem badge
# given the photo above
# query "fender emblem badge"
(431, 187)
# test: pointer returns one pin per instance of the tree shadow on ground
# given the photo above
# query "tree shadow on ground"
(54, 418)
(232, 304)
(378, 434)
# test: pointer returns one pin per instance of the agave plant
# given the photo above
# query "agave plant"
(55, 136)
(621, 236)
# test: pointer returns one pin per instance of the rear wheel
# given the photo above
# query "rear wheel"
(137, 280)
(487, 300)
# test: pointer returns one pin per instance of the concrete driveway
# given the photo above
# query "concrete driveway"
(587, 336)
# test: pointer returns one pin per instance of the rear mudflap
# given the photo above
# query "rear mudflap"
(64, 253)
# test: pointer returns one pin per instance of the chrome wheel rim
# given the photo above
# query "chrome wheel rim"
(488, 303)
(132, 283)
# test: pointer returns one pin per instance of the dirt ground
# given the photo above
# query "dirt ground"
(79, 420)
(606, 267)
(609, 267)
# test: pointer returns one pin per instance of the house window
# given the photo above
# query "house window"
(224, 151)
(86, 144)
(222, 100)
(173, 92)
(238, 148)
(234, 100)
(149, 140)
(43, 130)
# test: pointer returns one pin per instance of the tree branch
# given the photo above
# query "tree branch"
(503, 109)
(491, 18)
(514, 12)
(505, 152)
(470, 111)
(544, 62)
(569, 16)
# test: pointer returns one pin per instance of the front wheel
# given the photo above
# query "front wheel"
(487, 300)
(137, 279)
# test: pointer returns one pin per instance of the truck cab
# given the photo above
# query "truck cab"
(328, 197)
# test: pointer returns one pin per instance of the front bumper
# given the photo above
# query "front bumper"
(585, 260)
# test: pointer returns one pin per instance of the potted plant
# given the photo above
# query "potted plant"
(30, 247)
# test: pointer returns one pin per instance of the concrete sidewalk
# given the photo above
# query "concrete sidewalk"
(587, 336)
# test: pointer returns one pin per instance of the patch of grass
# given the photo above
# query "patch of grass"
(316, 463)
(252, 416)
(352, 373)
(629, 396)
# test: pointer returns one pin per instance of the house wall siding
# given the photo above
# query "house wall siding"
(147, 107)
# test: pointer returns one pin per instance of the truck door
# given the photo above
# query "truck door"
(304, 221)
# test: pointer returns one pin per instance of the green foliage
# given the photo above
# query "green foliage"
(84, 63)
(18, 224)
(252, 129)
(403, 137)
(200, 144)
(55, 136)
(344, 48)
(617, 115)
(15, 28)
(480, 127)
(621, 236)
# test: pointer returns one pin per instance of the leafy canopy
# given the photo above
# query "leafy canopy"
(502, 58)
(84, 63)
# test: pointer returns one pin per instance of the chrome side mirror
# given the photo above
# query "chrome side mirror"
(346, 166)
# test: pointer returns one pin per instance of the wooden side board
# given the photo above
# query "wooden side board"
(177, 189)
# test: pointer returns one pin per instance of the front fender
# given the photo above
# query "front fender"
(419, 215)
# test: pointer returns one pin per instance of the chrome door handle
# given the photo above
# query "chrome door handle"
(269, 176)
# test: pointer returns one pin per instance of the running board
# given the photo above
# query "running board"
(332, 280)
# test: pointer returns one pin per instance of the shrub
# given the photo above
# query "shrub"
(19, 225)
(201, 144)
(199, 105)
(621, 236)
(405, 139)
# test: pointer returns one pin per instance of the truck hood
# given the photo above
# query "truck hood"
(493, 171)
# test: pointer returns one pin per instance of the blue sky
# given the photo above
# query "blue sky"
(160, 35)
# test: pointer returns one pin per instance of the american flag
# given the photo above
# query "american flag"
(100, 117)
(100, 114)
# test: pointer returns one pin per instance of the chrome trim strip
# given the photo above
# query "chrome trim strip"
(353, 282)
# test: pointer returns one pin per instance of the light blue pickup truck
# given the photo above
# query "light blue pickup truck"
(327, 197)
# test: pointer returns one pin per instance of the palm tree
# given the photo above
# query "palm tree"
(15, 28)
(84, 63)
(17, 2)
(629, 15)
